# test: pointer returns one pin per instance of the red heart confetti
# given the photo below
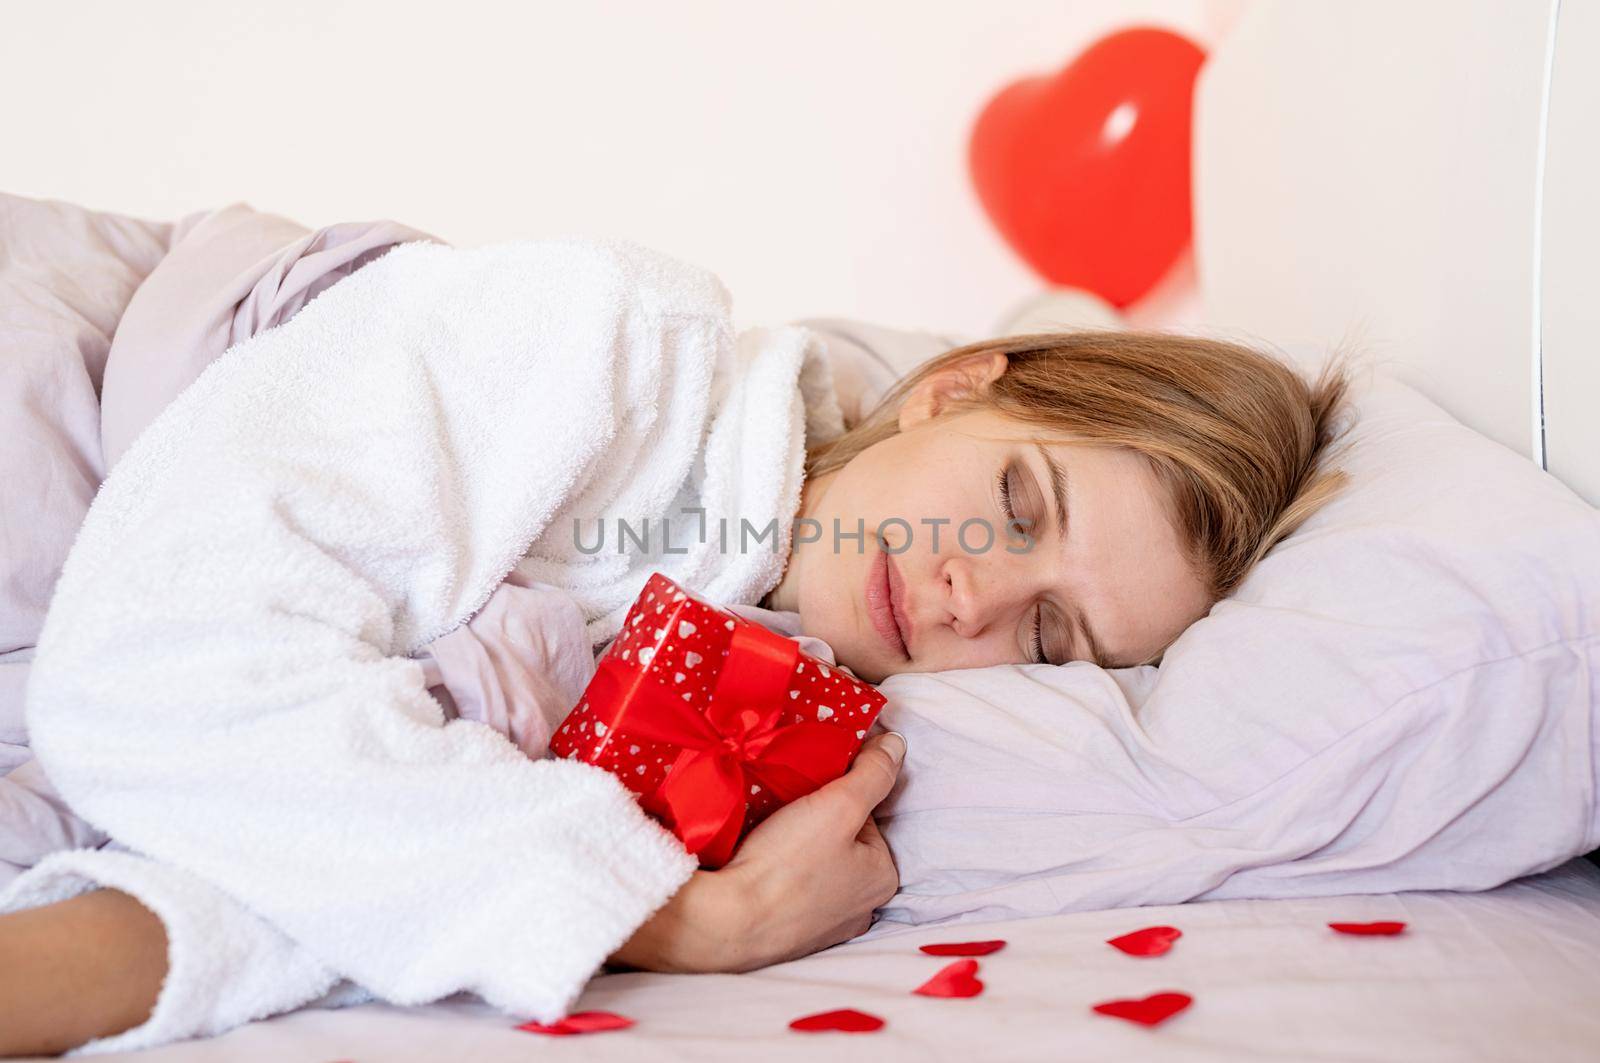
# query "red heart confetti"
(1151, 941)
(1151, 1011)
(964, 948)
(1369, 929)
(845, 1020)
(959, 979)
(580, 1022)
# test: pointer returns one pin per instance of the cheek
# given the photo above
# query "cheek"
(893, 476)
(826, 591)
(984, 652)
(827, 616)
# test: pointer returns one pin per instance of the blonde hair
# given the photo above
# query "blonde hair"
(1237, 438)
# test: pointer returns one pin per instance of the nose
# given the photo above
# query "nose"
(981, 592)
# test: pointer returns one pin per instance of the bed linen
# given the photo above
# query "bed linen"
(1500, 975)
(66, 276)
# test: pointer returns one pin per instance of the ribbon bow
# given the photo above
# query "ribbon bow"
(736, 741)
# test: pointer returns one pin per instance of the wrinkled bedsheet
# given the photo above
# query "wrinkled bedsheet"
(1508, 974)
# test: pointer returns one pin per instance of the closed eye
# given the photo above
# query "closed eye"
(1003, 484)
(1038, 637)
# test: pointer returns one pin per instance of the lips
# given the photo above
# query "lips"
(897, 603)
(881, 606)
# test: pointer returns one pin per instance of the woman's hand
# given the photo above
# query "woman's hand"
(806, 878)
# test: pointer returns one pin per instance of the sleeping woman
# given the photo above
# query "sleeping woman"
(320, 832)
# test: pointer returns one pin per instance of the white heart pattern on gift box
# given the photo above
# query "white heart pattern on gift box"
(686, 646)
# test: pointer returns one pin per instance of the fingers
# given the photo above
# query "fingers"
(871, 777)
(839, 813)
(870, 836)
(885, 875)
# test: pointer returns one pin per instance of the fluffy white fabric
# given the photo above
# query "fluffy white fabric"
(1402, 696)
(223, 685)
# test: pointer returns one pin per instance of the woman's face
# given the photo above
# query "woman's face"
(1006, 579)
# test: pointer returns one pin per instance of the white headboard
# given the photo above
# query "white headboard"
(1417, 179)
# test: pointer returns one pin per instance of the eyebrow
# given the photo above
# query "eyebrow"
(1058, 488)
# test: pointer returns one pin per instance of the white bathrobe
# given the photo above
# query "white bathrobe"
(223, 682)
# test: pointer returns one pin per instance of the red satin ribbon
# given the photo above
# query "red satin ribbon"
(736, 741)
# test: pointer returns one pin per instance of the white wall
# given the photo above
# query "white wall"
(1370, 171)
(813, 155)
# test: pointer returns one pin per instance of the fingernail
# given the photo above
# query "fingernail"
(896, 750)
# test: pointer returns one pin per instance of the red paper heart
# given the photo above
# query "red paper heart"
(580, 1022)
(1369, 929)
(964, 948)
(959, 979)
(1151, 941)
(1151, 1011)
(845, 1020)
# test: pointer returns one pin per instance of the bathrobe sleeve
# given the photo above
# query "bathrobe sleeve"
(225, 965)
(223, 682)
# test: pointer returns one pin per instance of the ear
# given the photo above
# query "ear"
(962, 379)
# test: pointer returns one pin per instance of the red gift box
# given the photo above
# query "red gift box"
(715, 722)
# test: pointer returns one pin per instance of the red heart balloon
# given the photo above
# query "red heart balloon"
(964, 948)
(1369, 929)
(1086, 173)
(846, 1020)
(1151, 941)
(1151, 1011)
(580, 1022)
(959, 979)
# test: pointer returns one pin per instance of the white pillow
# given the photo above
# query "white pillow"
(1401, 696)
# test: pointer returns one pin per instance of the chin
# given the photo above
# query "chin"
(846, 647)
(862, 664)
